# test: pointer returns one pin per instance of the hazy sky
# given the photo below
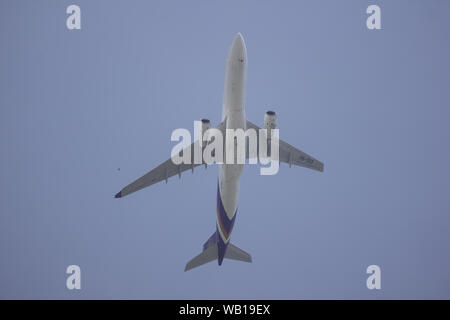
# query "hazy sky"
(76, 105)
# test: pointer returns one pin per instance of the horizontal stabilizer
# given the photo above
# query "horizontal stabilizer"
(211, 253)
(206, 256)
(234, 253)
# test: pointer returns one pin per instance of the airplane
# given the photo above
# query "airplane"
(218, 246)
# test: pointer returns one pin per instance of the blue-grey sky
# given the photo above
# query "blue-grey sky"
(76, 105)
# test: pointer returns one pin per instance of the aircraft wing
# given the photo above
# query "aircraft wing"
(164, 171)
(292, 155)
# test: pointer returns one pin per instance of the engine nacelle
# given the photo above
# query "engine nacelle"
(270, 121)
(206, 124)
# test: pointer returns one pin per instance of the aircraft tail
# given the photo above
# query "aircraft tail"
(211, 253)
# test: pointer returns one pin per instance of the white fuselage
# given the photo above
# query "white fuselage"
(234, 113)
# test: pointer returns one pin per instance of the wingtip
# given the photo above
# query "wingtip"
(118, 195)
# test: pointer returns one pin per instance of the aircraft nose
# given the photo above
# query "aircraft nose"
(238, 50)
(239, 39)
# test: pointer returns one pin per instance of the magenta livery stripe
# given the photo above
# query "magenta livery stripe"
(225, 224)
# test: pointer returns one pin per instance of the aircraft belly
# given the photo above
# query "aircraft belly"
(229, 187)
(235, 77)
(233, 111)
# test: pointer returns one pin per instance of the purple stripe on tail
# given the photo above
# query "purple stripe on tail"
(226, 226)
(211, 241)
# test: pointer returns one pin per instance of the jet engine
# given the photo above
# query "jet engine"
(206, 124)
(270, 121)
